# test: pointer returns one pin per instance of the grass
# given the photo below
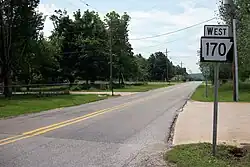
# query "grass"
(199, 155)
(19, 105)
(225, 93)
(142, 88)
(134, 88)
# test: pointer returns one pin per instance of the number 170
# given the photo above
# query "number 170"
(213, 46)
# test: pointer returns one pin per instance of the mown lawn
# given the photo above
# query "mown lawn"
(25, 104)
(225, 93)
(142, 88)
(199, 155)
(134, 88)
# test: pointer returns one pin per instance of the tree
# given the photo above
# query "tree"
(20, 25)
(93, 42)
(242, 14)
(48, 54)
(84, 45)
(64, 33)
(121, 48)
(161, 68)
(142, 68)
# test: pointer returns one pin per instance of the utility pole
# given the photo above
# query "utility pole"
(230, 8)
(111, 59)
(167, 64)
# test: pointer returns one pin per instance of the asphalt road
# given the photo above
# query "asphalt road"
(112, 132)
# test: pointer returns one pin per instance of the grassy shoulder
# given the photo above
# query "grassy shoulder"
(225, 93)
(129, 88)
(26, 104)
(199, 155)
(142, 88)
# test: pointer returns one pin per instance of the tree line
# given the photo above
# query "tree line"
(241, 12)
(78, 48)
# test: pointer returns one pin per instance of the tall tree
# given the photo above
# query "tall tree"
(142, 68)
(64, 33)
(121, 48)
(84, 45)
(20, 25)
(241, 11)
(94, 44)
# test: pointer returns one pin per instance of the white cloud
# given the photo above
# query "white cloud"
(149, 23)
(47, 10)
(154, 22)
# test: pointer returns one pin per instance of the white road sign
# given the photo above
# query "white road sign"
(216, 49)
(216, 31)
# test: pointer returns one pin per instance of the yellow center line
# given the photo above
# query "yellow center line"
(10, 138)
(55, 126)
(12, 141)
(60, 125)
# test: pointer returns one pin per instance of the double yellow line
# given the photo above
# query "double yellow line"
(55, 126)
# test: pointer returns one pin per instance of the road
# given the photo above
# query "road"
(112, 132)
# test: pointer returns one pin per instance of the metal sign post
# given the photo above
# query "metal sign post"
(236, 62)
(215, 117)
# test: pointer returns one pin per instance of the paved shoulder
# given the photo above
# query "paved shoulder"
(194, 124)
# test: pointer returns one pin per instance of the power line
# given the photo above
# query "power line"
(84, 2)
(172, 32)
(162, 43)
(88, 5)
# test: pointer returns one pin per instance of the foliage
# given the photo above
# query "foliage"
(20, 26)
(160, 68)
(240, 9)
(79, 48)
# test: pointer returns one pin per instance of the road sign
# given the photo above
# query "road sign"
(216, 31)
(216, 49)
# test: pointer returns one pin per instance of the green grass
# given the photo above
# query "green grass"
(225, 93)
(19, 105)
(199, 155)
(142, 88)
(134, 88)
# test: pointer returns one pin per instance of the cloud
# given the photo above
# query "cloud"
(154, 22)
(182, 45)
(47, 10)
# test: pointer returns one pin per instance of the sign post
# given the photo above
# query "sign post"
(206, 78)
(216, 46)
(215, 119)
(236, 62)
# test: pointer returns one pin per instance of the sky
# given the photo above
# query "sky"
(150, 18)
